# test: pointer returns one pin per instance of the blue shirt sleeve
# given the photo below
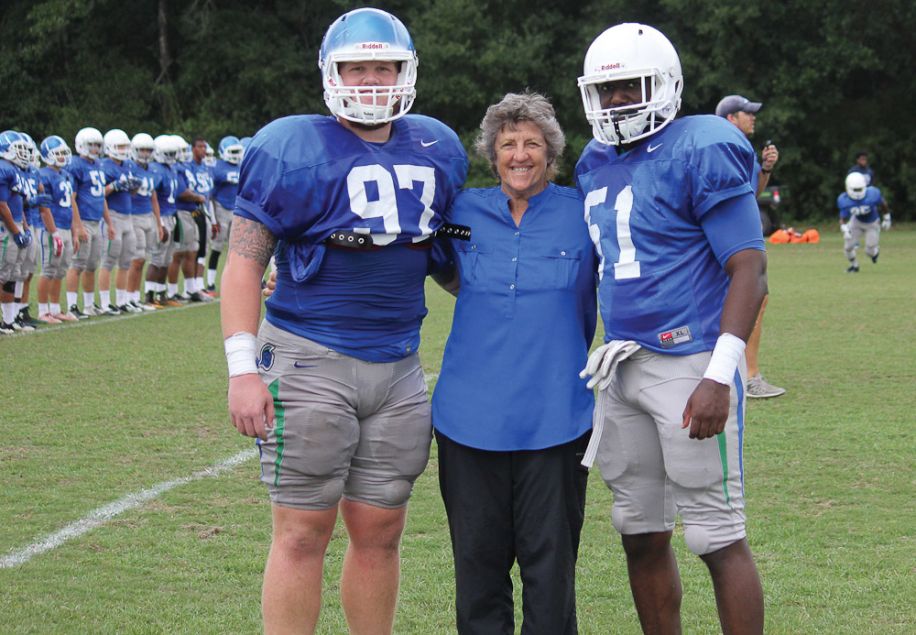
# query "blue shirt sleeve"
(733, 225)
(721, 167)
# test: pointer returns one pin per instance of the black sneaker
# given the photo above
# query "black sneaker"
(27, 318)
(874, 259)
(852, 269)
(75, 312)
(108, 310)
(19, 325)
(6, 329)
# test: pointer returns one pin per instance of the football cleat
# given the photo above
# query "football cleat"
(79, 315)
(874, 259)
(47, 318)
(852, 269)
(22, 327)
(6, 329)
(27, 318)
(65, 317)
(109, 310)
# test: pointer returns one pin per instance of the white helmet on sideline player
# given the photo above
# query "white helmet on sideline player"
(635, 52)
(166, 149)
(89, 143)
(117, 144)
(142, 148)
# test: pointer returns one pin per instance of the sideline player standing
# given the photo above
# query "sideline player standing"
(350, 202)
(859, 215)
(225, 188)
(672, 213)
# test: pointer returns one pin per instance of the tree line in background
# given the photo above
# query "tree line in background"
(835, 76)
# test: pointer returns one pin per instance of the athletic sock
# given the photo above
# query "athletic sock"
(71, 298)
(88, 298)
(55, 308)
(43, 308)
(9, 312)
(172, 289)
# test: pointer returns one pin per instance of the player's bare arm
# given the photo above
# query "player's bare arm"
(707, 409)
(251, 246)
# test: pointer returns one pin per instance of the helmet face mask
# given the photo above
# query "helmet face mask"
(89, 143)
(55, 152)
(631, 53)
(856, 185)
(368, 35)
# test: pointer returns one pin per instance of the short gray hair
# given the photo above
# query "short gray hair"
(512, 109)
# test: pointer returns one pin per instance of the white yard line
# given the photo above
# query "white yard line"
(102, 515)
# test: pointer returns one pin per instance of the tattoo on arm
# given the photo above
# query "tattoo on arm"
(252, 240)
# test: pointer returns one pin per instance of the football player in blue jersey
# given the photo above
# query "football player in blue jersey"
(671, 210)
(187, 240)
(145, 218)
(36, 211)
(207, 226)
(15, 234)
(61, 236)
(165, 185)
(225, 188)
(861, 207)
(89, 184)
(332, 383)
(117, 251)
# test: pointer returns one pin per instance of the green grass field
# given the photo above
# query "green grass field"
(95, 412)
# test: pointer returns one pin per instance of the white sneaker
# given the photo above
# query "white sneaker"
(759, 388)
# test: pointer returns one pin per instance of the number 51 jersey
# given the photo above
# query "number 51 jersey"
(306, 177)
(662, 254)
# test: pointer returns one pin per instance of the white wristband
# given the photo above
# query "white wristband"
(241, 353)
(725, 358)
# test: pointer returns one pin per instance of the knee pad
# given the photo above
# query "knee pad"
(704, 539)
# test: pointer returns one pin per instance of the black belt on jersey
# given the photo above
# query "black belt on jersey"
(352, 240)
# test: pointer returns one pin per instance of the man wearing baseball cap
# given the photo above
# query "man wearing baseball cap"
(742, 112)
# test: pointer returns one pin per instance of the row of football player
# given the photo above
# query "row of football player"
(18, 150)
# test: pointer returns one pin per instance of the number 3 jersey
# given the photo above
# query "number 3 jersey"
(307, 177)
(665, 216)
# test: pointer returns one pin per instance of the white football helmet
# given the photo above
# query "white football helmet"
(210, 159)
(365, 35)
(55, 151)
(142, 148)
(117, 144)
(230, 150)
(15, 149)
(184, 148)
(89, 143)
(33, 149)
(856, 185)
(166, 151)
(639, 52)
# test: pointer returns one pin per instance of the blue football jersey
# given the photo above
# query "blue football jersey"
(59, 186)
(203, 177)
(305, 177)
(662, 282)
(11, 188)
(30, 181)
(89, 183)
(166, 188)
(118, 201)
(225, 183)
(187, 180)
(866, 210)
(141, 199)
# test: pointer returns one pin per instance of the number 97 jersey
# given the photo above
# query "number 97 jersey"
(662, 236)
(306, 177)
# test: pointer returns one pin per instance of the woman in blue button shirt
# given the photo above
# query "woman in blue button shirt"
(512, 416)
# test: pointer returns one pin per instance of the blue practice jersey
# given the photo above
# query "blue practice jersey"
(30, 181)
(166, 188)
(59, 186)
(118, 201)
(186, 181)
(867, 210)
(11, 188)
(662, 253)
(141, 199)
(225, 183)
(203, 177)
(89, 183)
(305, 177)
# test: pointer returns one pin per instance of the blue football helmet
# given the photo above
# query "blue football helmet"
(15, 148)
(230, 150)
(55, 152)
(366, 35)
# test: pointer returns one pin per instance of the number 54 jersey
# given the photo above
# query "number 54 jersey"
(307, 177)
(665, 216)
